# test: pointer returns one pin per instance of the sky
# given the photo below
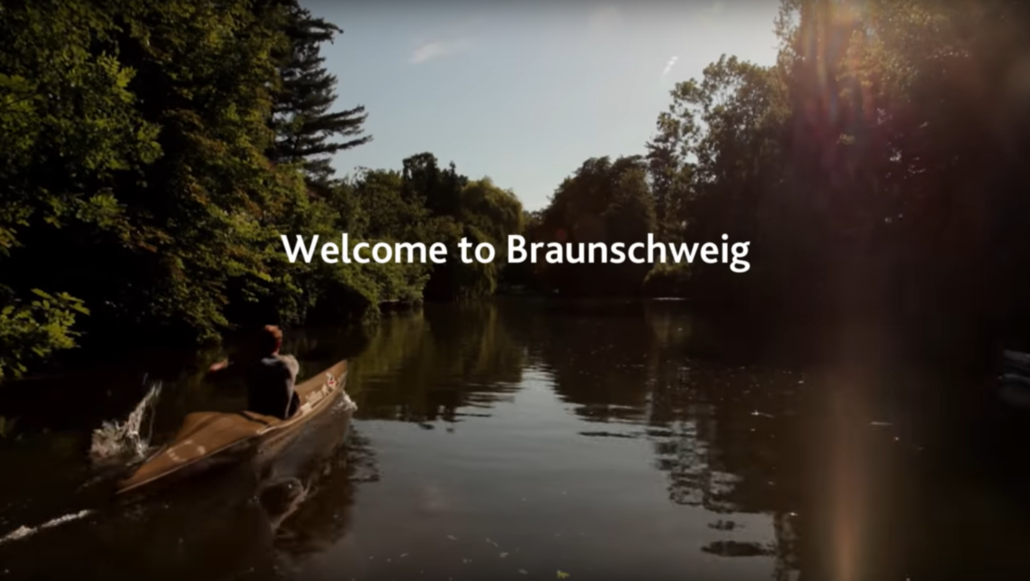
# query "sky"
(525, 92)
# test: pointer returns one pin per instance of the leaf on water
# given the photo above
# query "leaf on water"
(562, 574)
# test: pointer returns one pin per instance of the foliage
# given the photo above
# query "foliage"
(302, 118)
(875, 155)
(154, 153)
(604, 201)
(31, 333)
(429, 204)
(136, 168)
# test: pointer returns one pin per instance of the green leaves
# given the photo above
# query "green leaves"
(874, 137)
(135, 163)
(29, 333)
(306, 130)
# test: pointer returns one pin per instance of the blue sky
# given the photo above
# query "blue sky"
(525, 92)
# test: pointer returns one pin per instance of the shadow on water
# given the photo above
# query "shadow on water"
(604, 439)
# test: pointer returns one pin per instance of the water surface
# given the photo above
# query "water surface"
(525, 440)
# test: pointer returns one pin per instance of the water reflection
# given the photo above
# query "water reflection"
(608, 440)
(622, 371)
(713, 428)
(810, 471)
(421, 368)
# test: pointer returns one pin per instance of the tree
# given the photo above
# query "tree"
(879, 152)
(304, 124)
(133, 166)
(438, 189)
(69, 126)
(459, 208)
(604, 201)
(668, 176)
(137, 185)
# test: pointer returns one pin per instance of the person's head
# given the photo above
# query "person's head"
(268, 341)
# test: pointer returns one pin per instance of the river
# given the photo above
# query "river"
(542, 440)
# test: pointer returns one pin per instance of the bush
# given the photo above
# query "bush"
(31, 333)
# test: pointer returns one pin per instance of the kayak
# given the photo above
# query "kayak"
(210, 436)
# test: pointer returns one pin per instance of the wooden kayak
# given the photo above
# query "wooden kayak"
(206, 436)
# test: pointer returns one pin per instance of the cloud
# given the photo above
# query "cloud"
(437, 49)
(605, 18)
(446, 41)
(669, 65)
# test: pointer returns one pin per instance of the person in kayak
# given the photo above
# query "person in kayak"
(268, 375)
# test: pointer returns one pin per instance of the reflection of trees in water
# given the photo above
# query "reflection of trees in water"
(597, 361)
(620, 364)
(733, 423)
(719, 433)
(426, 366)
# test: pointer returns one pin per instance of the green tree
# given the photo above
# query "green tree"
(305, 125)
(441, 205)
(69, 129)
(134, 168)
(604, 201)
(875, 155)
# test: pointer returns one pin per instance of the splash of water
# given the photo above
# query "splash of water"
(113, 443)
(123, 441)
(24, 531)
(346, 403)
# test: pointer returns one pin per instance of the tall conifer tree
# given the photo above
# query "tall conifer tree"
(307, 131)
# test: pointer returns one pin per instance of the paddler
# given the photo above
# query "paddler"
(268, 375)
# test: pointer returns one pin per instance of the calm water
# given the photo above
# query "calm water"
(530, 440)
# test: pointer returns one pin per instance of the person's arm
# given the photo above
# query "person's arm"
(221, 372)
(290, 367)
(292, 364)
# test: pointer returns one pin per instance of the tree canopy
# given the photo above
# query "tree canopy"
(302, 117)
(154, 153)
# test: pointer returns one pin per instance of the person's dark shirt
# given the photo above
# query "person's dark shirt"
(270, 384)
